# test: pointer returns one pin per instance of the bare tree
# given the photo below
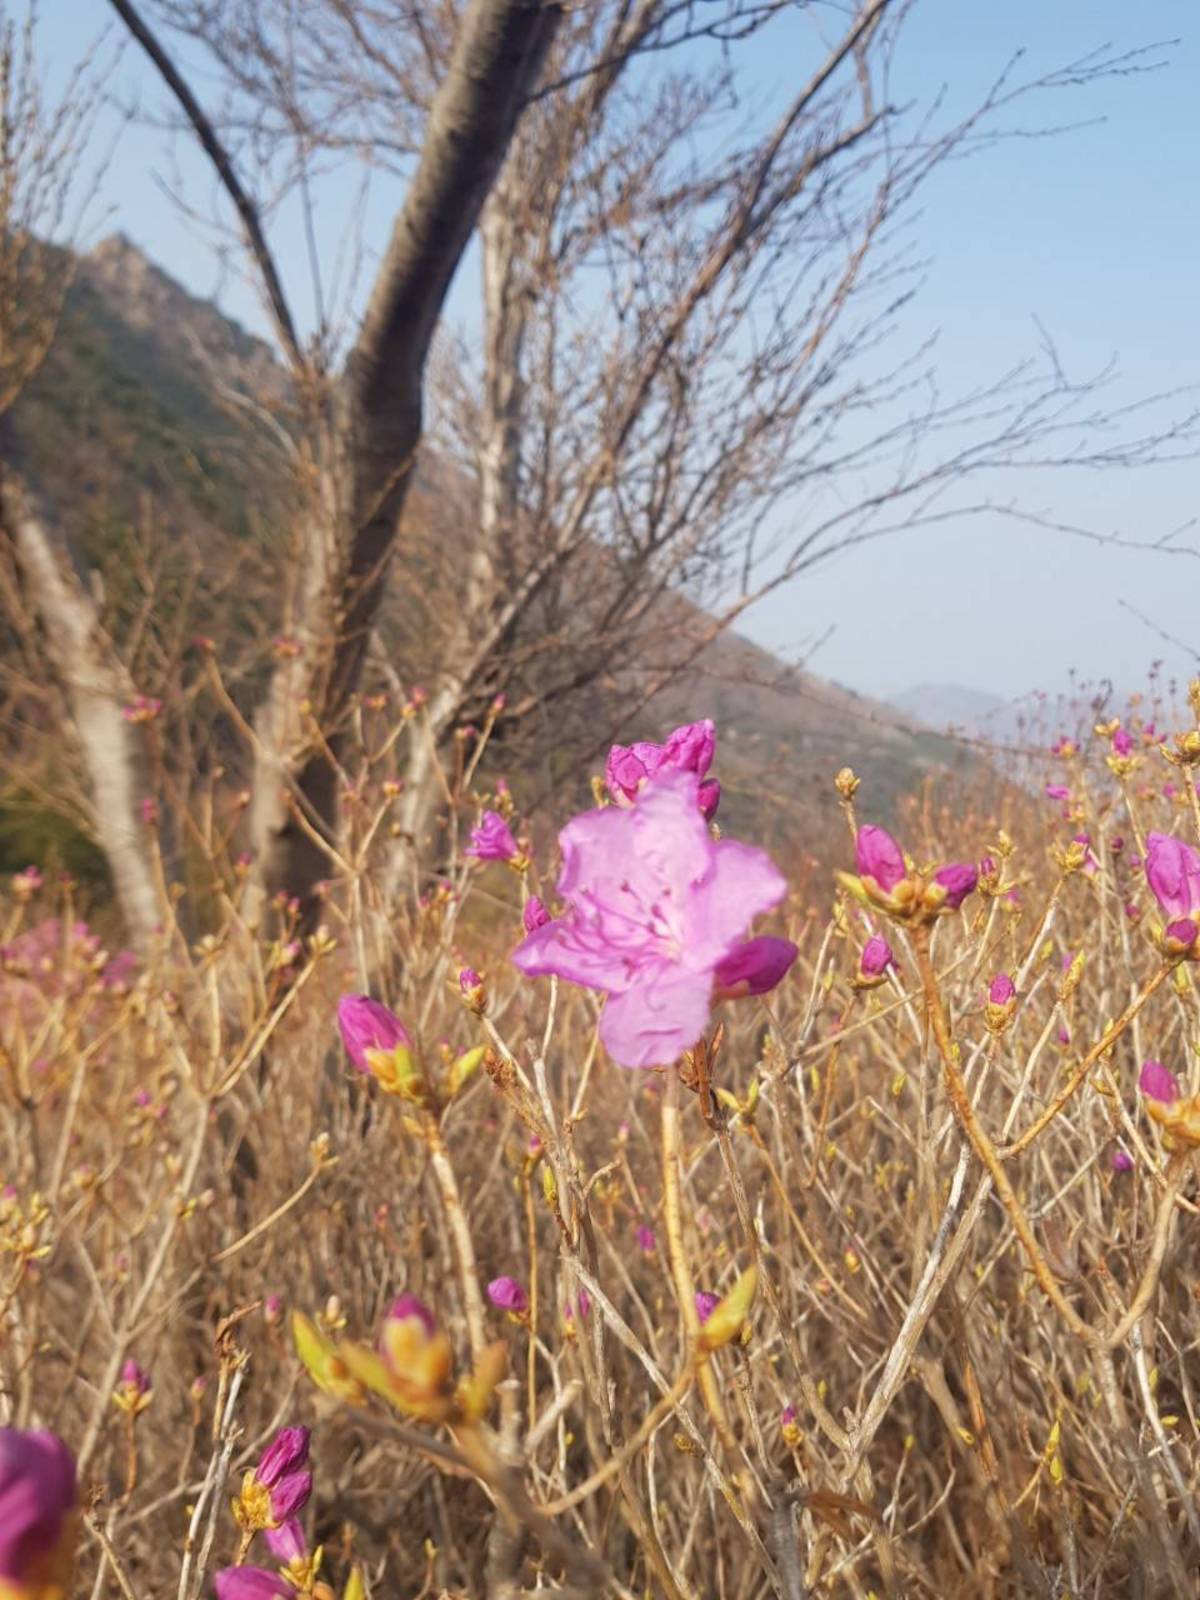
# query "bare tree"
(688, 388)
(45, 185)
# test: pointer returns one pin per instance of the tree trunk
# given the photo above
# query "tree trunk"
(497, 57)
(96, 686)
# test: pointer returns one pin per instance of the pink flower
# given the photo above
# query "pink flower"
(755, 967)
(879, 857)
(119, 972)
(1001, 989)
(1122, 1161)
(535, 915)
(646, 1241)
(787, 1417)
(286, 1542)
(1159, 1083)
(491, 839)
(1122, 743)
(654, 905)
(689, 748)
(508, 1295)
(1058, 791)
(876, 957)
(37, 1496)
(706, 1303)
(367, 1025)
(958, 879)
(252, 1583)
(1173, 873)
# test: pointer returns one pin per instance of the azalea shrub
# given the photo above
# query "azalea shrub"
(620, 1208)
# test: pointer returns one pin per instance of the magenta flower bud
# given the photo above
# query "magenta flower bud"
(1122, 1161)
(287, 1452)
(508, 1295)
(367, 1025)
(584, 1303)
(959, 880)
(535, 915)
(1183, 932)
(988, 867)
(408, 1308)
(37, 1496)
(876, 957)
(469, 980)
(1159, 1083)
(787, 1417)
(706, 1303)
(286, 1542)
(647, 1243)
(135, 1378)
(1122, 743)
(290, 1495)
(710, 798)
(1117, 843)
(1091, 864)
(879, 857)
(492, 839)
(1001, 989)
(273, 1308)
(1063, 1036)
(755, 967)
(27, 882)
(1173, 873)
(1169, 791)
(689, 748)
(1058, 791)
(252, 1583)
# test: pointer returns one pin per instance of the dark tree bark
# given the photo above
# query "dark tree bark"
(377, 431)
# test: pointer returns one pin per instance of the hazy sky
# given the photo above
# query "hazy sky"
(1094, 234)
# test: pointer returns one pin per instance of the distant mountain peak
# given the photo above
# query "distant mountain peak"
(951, 705)
(198, 331)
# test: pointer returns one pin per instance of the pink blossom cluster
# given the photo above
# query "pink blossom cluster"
(655, 909)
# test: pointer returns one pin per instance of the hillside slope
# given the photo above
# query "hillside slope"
(138, 395)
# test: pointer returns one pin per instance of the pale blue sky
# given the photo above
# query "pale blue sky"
(1094, 233)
